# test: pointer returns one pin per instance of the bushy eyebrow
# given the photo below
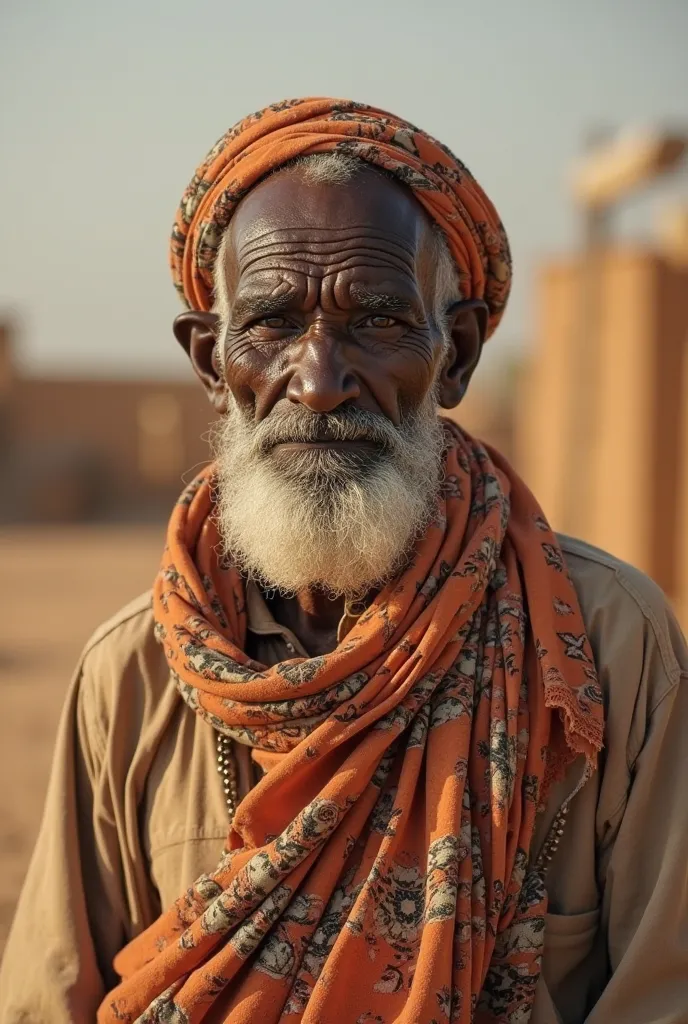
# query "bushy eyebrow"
(248, 306)
(374, 300)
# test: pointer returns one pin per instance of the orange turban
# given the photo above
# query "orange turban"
(285, 131)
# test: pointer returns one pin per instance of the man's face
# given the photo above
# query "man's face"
(330, 293)
(329, 453)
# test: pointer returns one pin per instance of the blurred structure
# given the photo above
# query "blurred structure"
(80, 450)
(602, 431)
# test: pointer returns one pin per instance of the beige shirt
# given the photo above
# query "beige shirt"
(135, 812)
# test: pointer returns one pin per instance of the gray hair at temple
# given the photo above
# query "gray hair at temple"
(338, 169)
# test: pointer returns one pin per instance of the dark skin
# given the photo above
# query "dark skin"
(331, 292)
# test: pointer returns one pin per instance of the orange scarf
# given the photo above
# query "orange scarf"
(380, 871)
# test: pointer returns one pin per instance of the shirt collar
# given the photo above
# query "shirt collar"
(259, 619)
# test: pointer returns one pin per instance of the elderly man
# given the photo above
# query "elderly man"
(452, 781)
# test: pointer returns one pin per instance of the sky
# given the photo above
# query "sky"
(107, 108)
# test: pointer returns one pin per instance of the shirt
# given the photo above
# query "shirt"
(135, 812)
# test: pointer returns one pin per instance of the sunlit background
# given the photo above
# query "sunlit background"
(574, 117)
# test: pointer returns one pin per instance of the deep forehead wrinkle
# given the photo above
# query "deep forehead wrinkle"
(323, 264)
(359, 233)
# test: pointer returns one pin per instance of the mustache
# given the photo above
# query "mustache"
(299, 426)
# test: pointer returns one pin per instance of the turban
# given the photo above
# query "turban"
(285, 131)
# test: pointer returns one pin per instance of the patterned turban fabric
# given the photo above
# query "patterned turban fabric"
(380, 872)
(265, 141)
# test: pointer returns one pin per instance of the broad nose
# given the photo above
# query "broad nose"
(321, 379)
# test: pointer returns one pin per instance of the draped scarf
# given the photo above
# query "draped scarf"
(381, 871)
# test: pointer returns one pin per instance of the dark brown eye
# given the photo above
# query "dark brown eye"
(274, 323)
(380, 321)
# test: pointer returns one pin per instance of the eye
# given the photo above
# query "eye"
(380, 322)
(273, 323)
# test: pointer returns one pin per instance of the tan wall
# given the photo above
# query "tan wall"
(144, 435)
(624, 455)
(544, 402)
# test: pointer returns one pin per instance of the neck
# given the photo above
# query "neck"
(312, 616)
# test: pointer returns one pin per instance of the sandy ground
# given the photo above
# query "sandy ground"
(58, 584)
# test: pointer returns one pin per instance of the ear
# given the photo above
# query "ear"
(197, 333)
(466, 326)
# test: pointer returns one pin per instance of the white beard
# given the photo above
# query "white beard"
(328, 519)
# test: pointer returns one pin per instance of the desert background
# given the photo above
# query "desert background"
(69, 579)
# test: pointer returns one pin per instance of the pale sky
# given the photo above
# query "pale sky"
(107, 108)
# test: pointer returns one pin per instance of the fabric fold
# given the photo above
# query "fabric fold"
(380, 870)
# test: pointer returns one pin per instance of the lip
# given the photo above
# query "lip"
(304, 446)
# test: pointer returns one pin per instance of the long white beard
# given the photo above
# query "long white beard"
(324, 518)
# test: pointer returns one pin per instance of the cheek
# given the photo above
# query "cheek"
(243, 366)
(250, 369)
(412, 368)
(245, 361)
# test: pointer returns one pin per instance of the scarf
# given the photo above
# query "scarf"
(285, 131)
(381, 870)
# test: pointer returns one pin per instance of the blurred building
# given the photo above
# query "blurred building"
(119, 450)
(602, 427)
(80, 449)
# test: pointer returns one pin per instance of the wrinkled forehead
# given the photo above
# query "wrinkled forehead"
(284, 210)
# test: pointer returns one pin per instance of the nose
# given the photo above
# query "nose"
(321, 380)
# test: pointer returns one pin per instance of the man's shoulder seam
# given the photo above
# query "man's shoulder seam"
(588, 552)
(140, 606)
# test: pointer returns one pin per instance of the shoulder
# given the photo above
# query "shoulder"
(639, 649)
(617, 599)
(128, 635)
(601, 577)
(135, 619)
(122, 670)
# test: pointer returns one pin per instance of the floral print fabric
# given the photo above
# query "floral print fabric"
(380, 871)
(284, 131)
